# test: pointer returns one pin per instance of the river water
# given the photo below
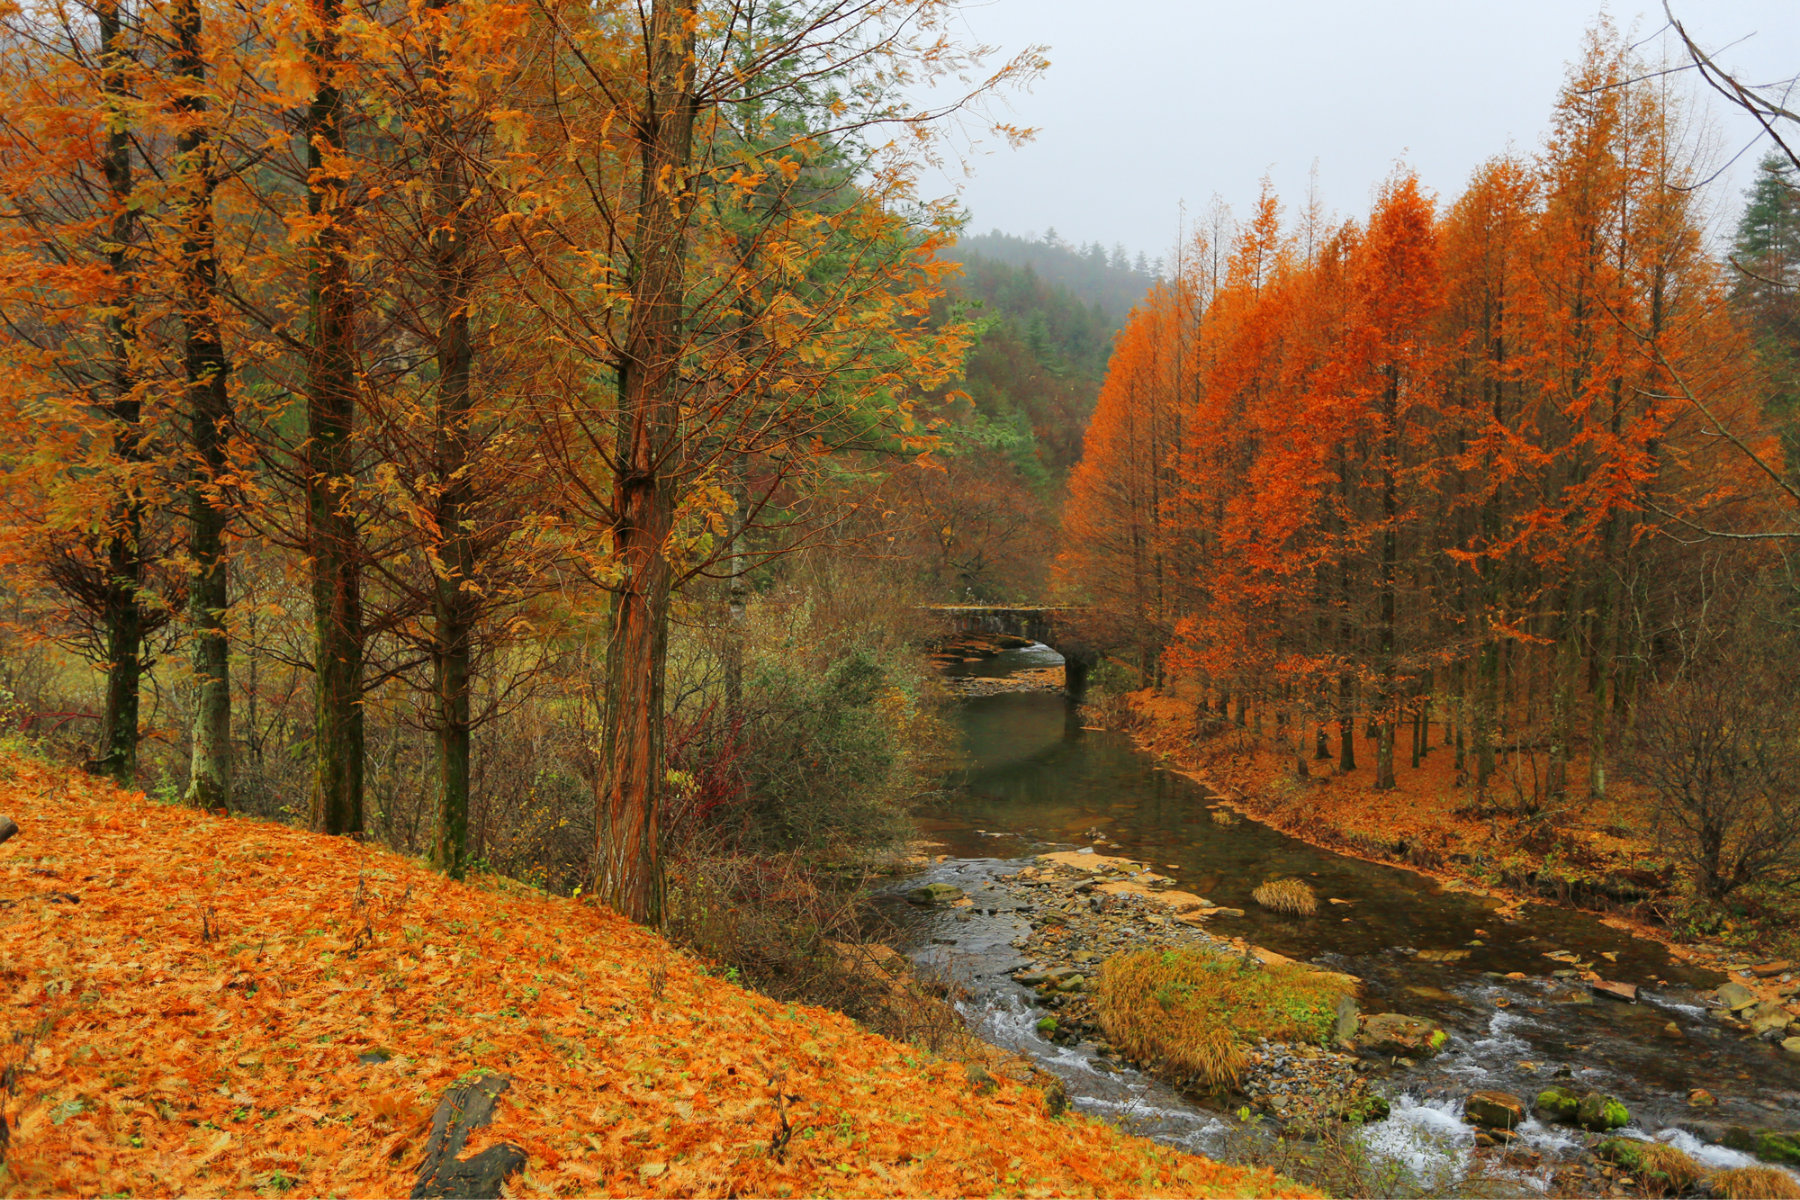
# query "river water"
(1034, 780)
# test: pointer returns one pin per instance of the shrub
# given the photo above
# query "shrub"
(1753, 1183)
(1194, 1011)
(1720, 748)
(775, 924)
(1287, 896)
(809, 761)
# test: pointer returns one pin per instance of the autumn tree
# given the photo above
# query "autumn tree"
(83, 385)
(739, 313)
(1439, 463)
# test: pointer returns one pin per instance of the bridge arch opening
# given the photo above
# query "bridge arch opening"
(1043, 624)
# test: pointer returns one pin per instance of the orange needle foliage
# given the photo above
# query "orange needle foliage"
(193, 1022)
(1425, 463)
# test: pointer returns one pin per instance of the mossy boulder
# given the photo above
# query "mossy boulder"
(1602, 1113)
(1770, 1145)
(1494, 1110)
(979, 1078)
(1557, 1104)
(1396, 1035)
(1778, 1147)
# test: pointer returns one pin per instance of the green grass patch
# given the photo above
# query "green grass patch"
(1195, 1012)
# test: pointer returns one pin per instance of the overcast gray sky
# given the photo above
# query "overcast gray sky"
(1151, 102)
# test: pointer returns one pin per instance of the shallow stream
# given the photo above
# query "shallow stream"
(1035, 780)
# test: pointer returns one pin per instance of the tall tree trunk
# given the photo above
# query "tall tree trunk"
(1346, 723)
(1390, 559)
(1606, 632)
(209, 417)
(122, 614)
(1346, 713)
(453, 606)
(1563, 660)
(628, 868)
(337, 788)
(1460, 723)
(1487, 697)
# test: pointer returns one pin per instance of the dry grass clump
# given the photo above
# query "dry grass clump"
(1677, 1167)
(1287, 896)
(1192, 1012)
(1753, 1183)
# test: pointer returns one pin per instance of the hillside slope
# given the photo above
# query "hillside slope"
(204, 1005)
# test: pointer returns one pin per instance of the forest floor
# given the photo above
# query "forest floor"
(1597, 855)
(208, 1005)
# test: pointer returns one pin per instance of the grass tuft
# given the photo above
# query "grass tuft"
(1753, 1183)
(1676, 1167)
(1287, 896)
(1194, 1012)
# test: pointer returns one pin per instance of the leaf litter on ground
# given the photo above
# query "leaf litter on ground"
(209, 1005)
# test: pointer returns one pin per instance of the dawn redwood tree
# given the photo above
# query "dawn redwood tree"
(206, 376)
(1485, 239)
(462, 484)
(1112, 545)
(728, 315)
(84, 471)
(331, 389)
(1397, 285)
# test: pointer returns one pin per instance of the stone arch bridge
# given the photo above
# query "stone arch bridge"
(1052, 625)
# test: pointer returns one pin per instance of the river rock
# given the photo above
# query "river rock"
(1769, 970)
(1441, 956)
(1396, 1035)
(1735, 996)
(935, 894)
(1791, 1045)
(1615, 991)
(1602, 1113)
(1494, 1110)
(1347, 1017)
(979, 1078)
(1557, 1104)
(1768, 1019)
(1701, 1098)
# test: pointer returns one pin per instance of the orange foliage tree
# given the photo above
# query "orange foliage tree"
(1424, 464)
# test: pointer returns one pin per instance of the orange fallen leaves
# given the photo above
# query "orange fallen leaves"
(210, 1017)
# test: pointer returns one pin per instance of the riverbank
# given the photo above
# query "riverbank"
(204, 1005)
(1532, 996)
(1076, 915)
(1593, 857)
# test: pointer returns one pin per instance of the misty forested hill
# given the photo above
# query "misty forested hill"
(1052, 310)
(1110, 279)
